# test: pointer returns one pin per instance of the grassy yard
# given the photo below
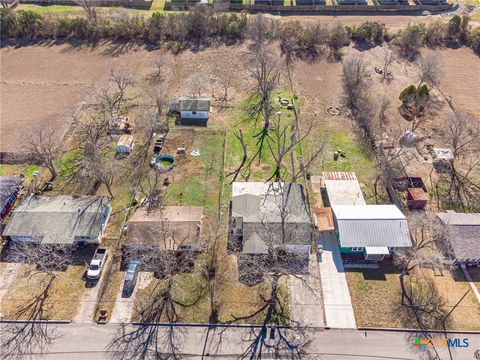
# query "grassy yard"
(376, 298)
(357, 159)
(157, 6)
(263, 165)
(196, 180)
(190, 289)
(16, 170)
(63, 299)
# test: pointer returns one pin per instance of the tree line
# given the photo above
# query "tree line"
(204, 26)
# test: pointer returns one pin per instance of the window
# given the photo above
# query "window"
(194, 112)
(392, 248)
(357, 249)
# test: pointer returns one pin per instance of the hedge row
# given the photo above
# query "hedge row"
(203, 26)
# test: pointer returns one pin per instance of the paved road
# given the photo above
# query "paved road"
(88, 341)
(336, 296)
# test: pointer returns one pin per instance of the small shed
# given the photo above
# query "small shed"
(125, 144)
(416, 198)
(193, 111)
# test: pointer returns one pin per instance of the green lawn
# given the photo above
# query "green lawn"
(263, 165)
(15, 170)
(50, 9)
(157, 6)
(358, 159)
(196, 180)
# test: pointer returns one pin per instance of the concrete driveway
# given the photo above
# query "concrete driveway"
(336, 297)
(123, 309)
(305, 296)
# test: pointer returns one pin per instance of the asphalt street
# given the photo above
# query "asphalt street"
(90, 341)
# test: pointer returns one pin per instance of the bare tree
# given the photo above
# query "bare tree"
(357, 97)
(90, 9)
(383, 105)
(261, 29)
(281, 144)
(458, 186)
(20, 340)
(430, 69)
(265, 71)
(91, 127)
(425, 307)
(42, 144)
(157, 75)
(197, 84)
(354, 80)
(113, 93)
(388, 58)
(225, 78)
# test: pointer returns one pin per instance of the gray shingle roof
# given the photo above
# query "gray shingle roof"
(58, 219)
(194, 104)
(371, 225)
(262, 218)
(463, 233)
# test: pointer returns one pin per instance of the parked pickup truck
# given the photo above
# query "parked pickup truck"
(97, 263)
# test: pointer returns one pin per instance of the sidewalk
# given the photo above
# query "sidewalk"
(336, 296)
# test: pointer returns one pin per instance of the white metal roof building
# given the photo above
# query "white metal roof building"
(373, 228)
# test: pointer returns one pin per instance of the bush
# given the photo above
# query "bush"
(474, 40)
(8, 23)
(73, 27)
(370, 32)
(410, 40)
(338, 38)
(154, 27)
(29, 23)
(435, 33)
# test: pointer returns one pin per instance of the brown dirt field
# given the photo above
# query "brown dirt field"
(45, 84)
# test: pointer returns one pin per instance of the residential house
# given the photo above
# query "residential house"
(9, 189)
(370, 232)
(59, 219)
(194, 111)
(462, 236)
(270, 215)
(167, 228)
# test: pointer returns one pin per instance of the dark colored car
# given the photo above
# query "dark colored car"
(130, 277)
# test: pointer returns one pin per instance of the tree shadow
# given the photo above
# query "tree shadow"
(19, 339)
